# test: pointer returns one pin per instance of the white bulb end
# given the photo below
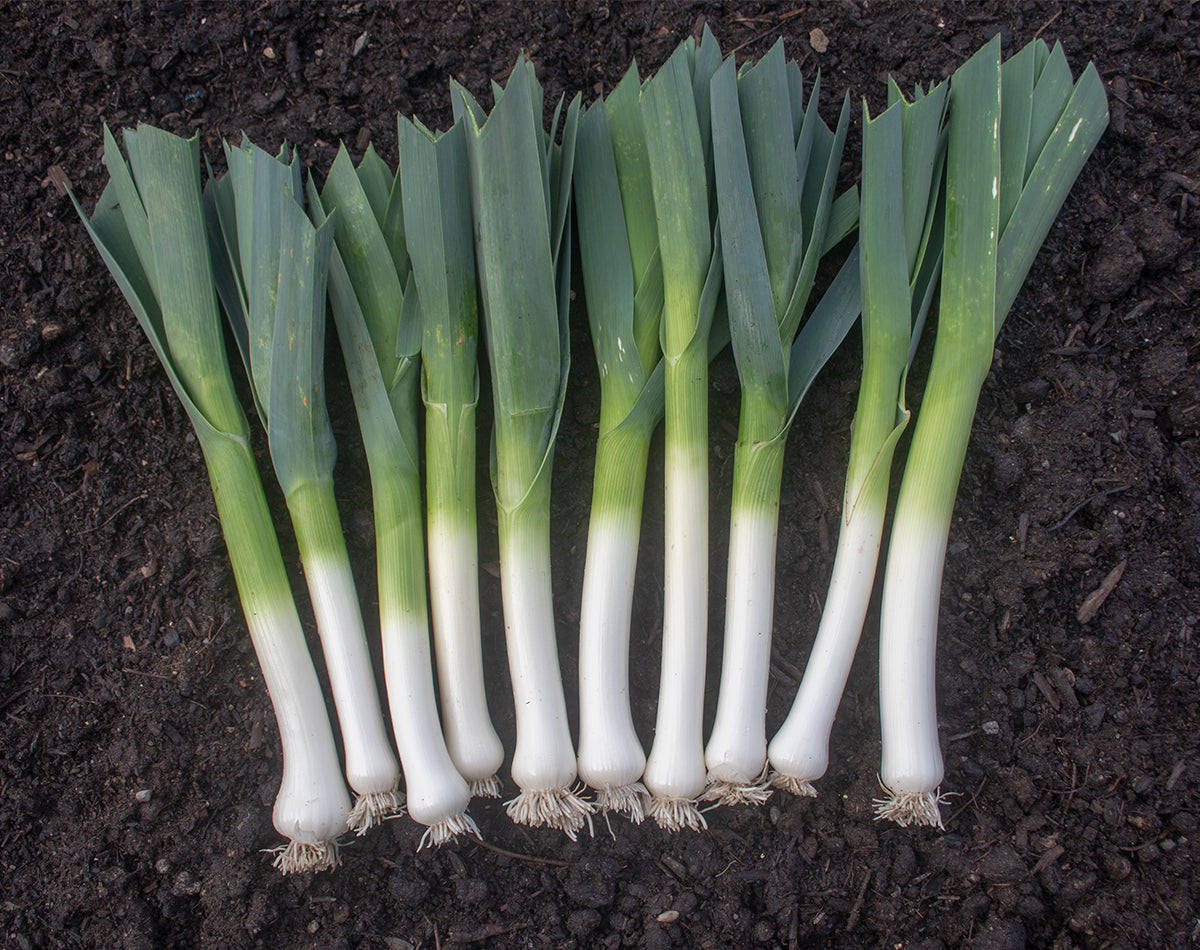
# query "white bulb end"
(911, 808)
(448, 829)
(677, 814)
(300, 857)
(630, 800)
(373, 809)
(557, 808)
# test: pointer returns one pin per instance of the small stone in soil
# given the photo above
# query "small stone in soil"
(1002, 865)
(1115, 267)
(999, 934)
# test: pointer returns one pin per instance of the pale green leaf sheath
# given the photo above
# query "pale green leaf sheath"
(1016, 120)
(150, 228)
(775, 167)
(279, 263)
(438, 232)
(622, 276)
(378, 317)
(520, 192)
(676, 124)
(897, 268)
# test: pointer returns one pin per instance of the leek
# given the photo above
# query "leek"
(149, 228)
(622, 276)
(437, 222)
(676, 123)
(1018, 137)
(272, 282)
(776, 165)
(520, 194)
(379, 326)
(898, 267)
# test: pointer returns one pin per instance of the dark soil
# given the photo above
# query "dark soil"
(138, 751)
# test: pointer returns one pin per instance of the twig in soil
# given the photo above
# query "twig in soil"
(1095, 600)
(133, 500)
(1074, 789)
(1190, 184)
(1044, 687)
(516, 855)
(782, 18)
(486, 932)
(1047, 859)
(1047, 23)
(157, 676)
(78, 699)
(1176, 775)
(856, 910)
(1083, 504)
(967, 804)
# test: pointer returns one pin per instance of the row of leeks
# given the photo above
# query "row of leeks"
(704, 201)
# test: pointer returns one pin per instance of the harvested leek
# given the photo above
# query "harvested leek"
(898, 268)
(272, 282)
(520, 195)
(1019, 134)
(676, 122)
(149, 228)
(622, 276)
(437, 223)
(776, 165)
(379, 326)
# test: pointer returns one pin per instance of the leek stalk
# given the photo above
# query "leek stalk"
(622, 275)
(776, 165)
(676, 124)
(520, 195)
(272, 282)
(149, 228)
(437, 223)
(898, 267)
(1019, 134)
(379, 324)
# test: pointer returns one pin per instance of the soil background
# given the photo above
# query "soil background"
(138, 751)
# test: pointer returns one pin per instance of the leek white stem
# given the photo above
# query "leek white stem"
(675, 774)
(912, 760)
(312, 805)
(371, 766)
(437, 795)
(736, 754)
(799, 752)
(454, 570)
(611, 759)
(543, 763)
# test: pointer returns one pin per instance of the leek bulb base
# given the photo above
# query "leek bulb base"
(736, 754)
(371, 765)
(611, 758)
(543, 764)
(437, 795)
(454, 600)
